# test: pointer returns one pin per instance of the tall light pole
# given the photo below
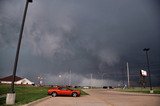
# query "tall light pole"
(70, 78)
(40, 80)
(128, 75)
(149, 74)
(11, 97)
(91, 80)
(60, 78)
(103, 79)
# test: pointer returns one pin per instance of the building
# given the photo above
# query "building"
(18, 80)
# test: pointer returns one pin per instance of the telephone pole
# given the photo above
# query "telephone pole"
(91, 81)
(128, 75)
(70, 78)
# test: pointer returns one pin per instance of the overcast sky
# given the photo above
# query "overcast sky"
(84, 36)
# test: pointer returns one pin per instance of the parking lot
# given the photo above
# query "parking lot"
(103, 97)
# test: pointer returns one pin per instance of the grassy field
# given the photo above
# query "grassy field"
(140, 90)
(25, 94)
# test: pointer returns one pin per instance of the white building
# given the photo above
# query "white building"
(18, 80)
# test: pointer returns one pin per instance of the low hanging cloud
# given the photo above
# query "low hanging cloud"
(49, 35)
(84, 36)
(46, 45)
(109, 56)
(77, 79)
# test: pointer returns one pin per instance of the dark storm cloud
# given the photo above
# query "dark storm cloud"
(85, 36)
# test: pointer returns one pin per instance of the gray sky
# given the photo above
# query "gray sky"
(84, 36)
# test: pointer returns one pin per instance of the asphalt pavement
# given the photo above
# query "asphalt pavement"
(101, 97)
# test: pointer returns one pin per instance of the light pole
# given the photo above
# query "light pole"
(40, 80)
(11, 96)
(60, 79)
(128, 75)
(102, 79)
(91, 80)
(149, 74)
(70, 78)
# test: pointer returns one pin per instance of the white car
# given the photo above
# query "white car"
(86, 87)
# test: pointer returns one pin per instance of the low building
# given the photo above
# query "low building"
(18, 80)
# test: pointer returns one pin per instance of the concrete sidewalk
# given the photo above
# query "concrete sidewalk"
(71, 101)
(99, 97)
(37, 101)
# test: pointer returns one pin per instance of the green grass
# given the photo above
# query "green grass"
(4, 89)
(2, 101)
(29, 94)
(140, 90)
(26, 94)
(82, 92)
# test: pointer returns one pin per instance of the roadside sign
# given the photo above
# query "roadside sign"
(144, 73)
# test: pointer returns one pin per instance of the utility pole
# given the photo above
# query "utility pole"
(128, 75)
(70, 78)
(10, 99)
(123, 77)
(149, 73)
(103, 79)
(91, 80)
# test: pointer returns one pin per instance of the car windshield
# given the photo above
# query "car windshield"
(63, 88)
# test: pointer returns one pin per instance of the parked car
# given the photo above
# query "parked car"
(107, 87)
(63, 91)
(86, 87)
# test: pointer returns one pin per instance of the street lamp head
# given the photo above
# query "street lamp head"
(146, 49)
(30, 1)
(59, 76)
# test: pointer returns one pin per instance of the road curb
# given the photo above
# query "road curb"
(135, 93)
(37, 101)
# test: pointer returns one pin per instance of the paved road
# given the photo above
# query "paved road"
(103, 98)
(114, 98)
